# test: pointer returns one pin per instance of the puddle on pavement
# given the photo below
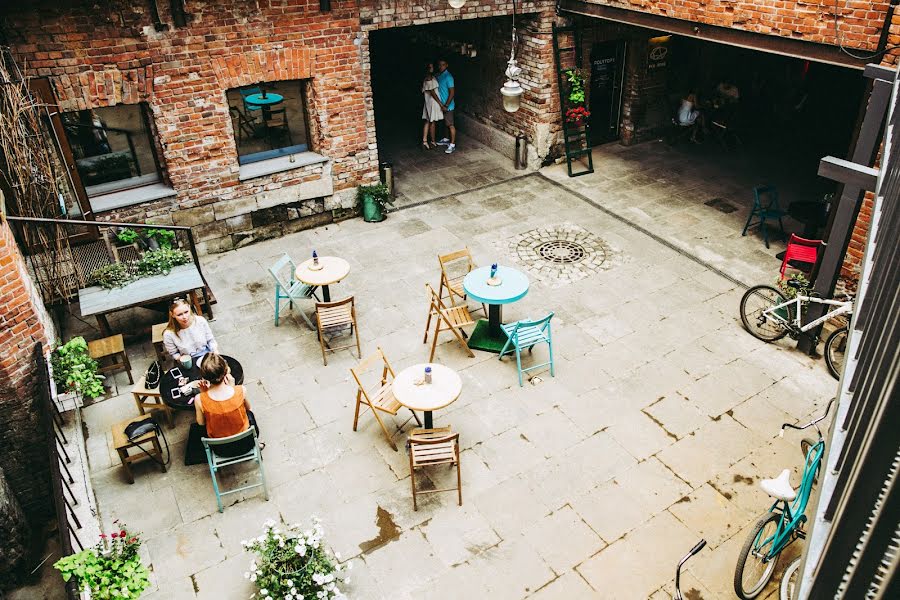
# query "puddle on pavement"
(387, 531)
(255, 286)
(693, 594)
(743, 479)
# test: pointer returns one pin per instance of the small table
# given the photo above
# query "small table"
(268, 100)
(122, 444)
(488, 335)
(333, 270)
(168, 383)
(443, 390)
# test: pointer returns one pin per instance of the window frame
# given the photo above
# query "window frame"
(285, 151)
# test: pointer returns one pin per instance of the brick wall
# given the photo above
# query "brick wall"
(23, 323)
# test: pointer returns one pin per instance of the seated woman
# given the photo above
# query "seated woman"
(222, 408)
(187, 335)
(689, 115)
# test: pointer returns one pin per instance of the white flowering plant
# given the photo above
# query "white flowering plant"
(293, 564)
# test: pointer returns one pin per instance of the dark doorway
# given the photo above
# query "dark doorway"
(607, 67)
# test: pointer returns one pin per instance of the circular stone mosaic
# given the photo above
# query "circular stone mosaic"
(560, 254)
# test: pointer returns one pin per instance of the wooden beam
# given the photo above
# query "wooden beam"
(873, 71)
(824, 53)
(849, 173)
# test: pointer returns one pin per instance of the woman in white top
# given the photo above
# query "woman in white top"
(432, 111)
(688, 114)
(187, 334)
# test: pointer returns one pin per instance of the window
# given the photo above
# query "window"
(112, 148)
(269, 120)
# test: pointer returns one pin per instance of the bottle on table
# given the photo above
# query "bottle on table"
(427, 374)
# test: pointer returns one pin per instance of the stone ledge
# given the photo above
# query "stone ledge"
(280, 164)
(139, 195)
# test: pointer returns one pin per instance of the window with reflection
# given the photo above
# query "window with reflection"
(112, 148)
(269, 119)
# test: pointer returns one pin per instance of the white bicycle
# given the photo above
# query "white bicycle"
(768, 315)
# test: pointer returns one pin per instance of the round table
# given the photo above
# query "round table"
(488, 335)
(443, 390)
(268, 100)
(167, 382)
(333, 270)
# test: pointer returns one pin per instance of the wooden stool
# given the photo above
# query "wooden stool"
(157, 339)
(122, 445)
(111, 347)
(146, 399)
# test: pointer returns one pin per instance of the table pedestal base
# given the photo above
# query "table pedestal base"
(429, 421)
(487, 338)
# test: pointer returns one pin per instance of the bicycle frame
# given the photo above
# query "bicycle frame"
(843, 307)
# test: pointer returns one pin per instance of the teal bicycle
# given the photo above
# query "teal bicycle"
(783, 522)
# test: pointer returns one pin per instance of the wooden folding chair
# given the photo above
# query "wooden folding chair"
(454, 268)
(380, 397)
(452, 318)
(428, 447)
(337, 315)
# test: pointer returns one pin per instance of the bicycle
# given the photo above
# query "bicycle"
(769, 316)
(783, 522)
(790, 581)
(697, 548)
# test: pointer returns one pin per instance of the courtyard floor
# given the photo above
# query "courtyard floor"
(661, 419)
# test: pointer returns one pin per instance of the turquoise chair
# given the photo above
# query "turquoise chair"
(290, 290)
(525, 335)
(217, 461)
(249, 91)
(764, 212)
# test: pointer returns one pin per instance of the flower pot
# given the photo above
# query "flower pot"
(371, 210)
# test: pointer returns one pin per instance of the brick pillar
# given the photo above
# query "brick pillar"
(14, 537)
(23, 323)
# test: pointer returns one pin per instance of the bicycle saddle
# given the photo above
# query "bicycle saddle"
(780, 487)
(794, 283)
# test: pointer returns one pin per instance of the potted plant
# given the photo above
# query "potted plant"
(74, 370)
(111, 276)
(577, 116)
(373, 201)
(576, 86)
(164, 238)
(161, 262)
(111, 570)
(126, 236)
(293, 563)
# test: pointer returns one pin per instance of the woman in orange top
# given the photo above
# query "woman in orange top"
(222, 407)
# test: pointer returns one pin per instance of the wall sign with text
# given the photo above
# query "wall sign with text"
(658, 53)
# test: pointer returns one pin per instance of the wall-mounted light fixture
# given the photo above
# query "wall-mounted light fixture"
(457, 3)
(511, 90)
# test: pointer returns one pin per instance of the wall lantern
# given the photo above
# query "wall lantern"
(457, 3)
(511, 90)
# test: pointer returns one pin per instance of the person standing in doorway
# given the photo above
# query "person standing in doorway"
(446, 93)
(433, 111)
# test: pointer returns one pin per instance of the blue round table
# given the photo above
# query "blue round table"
(269, 100)
(488, 335)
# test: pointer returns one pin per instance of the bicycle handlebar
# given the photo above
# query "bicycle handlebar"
(808, 425)
(697, 548)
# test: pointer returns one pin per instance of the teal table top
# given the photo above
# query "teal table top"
(258, 100)
(514, 285)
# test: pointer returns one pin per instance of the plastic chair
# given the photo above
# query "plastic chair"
(380, 396)
(765, 212)
(802, 254)
(525, 335)
(429, 447)
(290, 290)
(452, 318)
(249, 91)
(217, 461)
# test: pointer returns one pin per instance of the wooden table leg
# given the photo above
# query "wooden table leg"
(104, 325)
(159, 453)
(123, 456)
(196, 302)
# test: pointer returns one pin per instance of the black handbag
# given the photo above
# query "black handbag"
(139, 428)
(153, 375)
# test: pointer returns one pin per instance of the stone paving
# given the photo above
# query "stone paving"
(662, 417)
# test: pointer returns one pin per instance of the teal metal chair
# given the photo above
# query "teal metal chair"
(765, 211)
(525, 335)
(290, 290)
(249, 91)
(217, 461)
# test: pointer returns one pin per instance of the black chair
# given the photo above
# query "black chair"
(245, 125)
(277, 126)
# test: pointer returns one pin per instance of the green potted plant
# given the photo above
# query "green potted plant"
(165, 238)
(111, 276)
(126, 236)
(292, 563)
(74, 370)
(373, 201)
(161, 262)
(576, 86)
(111, 570)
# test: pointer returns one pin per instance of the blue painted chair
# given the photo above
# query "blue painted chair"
(217, 461)
(249, 91)
(289, 289)
(765, 212)
(524, 335)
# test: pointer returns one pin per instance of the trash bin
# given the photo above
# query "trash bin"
(521, 159)
(386, 171)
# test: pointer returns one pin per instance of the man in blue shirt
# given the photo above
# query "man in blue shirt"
(446, 93)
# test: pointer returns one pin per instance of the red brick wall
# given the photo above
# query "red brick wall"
(23, 323)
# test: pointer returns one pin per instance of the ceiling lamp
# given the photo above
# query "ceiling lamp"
(457, 3)
(511, 90)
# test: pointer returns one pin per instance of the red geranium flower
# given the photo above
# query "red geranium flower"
(122, 534)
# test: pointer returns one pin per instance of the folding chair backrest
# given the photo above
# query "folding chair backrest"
(212, 443)
(366, 365)
(447, 262)
(436, 303)
(771, 192)
(543, 324)
(275, 270)
(803, 250)
(249, 91)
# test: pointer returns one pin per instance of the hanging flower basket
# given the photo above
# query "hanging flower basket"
(577, 116)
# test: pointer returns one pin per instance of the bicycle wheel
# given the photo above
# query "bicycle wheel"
(834, 351)
(757, 300)
(751, 573)
(790, 581)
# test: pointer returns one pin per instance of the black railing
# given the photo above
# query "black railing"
(59, 459)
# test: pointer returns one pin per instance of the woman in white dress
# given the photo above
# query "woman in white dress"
(431, 112)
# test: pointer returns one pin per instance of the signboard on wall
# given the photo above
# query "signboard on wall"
(658, 53)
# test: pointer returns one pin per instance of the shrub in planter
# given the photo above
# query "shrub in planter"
(111, 276)
(74, 370)
(111, 570)
(160, 262)
(127, 235)
(373, 201)
(576, 86)
(165, 238)
(294, 564)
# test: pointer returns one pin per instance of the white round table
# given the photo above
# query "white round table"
(443, 390)
(333, 270)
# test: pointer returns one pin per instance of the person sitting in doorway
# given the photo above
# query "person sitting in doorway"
(222, 409)
(433, 111)
(188, 336)
(446, 93)
(689, 115)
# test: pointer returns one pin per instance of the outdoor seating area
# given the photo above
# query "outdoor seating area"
(579, 398)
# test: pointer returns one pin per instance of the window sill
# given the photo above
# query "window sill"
(277, 165)
(138, 195)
